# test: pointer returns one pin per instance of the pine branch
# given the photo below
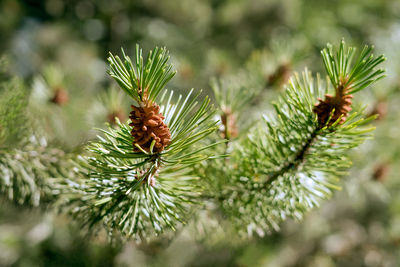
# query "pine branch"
(343, 73)
(234, 95)
(29, 175)
(293, 162)
(29, 168)
(129, 186)
(13, 114)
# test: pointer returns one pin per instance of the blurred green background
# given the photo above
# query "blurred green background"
(60, 50)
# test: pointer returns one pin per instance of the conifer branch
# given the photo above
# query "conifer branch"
(133, 182)
(234, 94)
(29, 167)
(30, 175)
(13, 114)
(294, 164)
(141, 177)
(287, 166)
(352, 78)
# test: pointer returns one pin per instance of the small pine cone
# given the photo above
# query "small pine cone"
(381, 171)
(148, 125)
(60, 96)
(111, 117)
(341, 104)
(230, 128)
(280, 76)
(380, 109)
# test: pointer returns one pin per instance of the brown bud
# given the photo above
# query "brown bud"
(380, 109)
(60, 96)
(280, 76)
(228, 119)
(116, 114)
(186, 72)
(381, 171)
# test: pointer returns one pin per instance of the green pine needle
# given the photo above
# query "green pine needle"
(144, 80)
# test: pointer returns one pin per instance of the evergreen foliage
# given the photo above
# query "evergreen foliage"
(288, 164)
(28, 166)
(30, 174)
(143, 80)
(13, 115)
(139, 193)
(276, 169)
(63, 94)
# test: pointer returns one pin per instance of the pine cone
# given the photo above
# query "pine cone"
(120, 114)
(228, 119)
(280, 76)
(148, 125)
(341, 104)
(381, 171)
(60, 96)
(380, 109)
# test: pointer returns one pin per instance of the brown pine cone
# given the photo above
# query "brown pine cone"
(381, 171)
(228, 119)
(380, 109)
(280, 76)
(60, 96)
(119, 113)
(341, 104)
(148, 125)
